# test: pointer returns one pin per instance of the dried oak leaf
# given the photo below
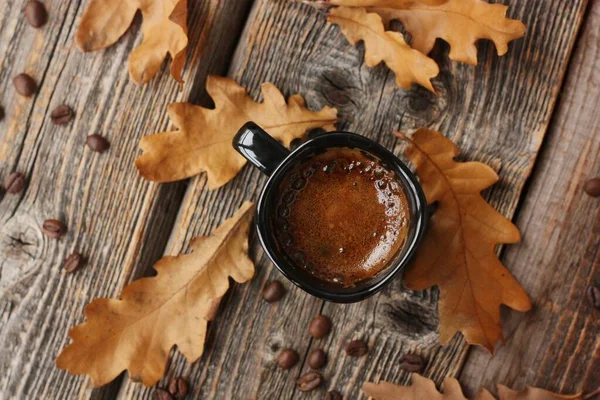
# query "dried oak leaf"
(408, 64)
(393, 4)
(459, 22)
(457, 253)
(531, 393)
(203, 141)
(138, 331)
(423, 388)
(164, 28)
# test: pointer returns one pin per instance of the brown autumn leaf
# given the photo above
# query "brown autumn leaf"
(408, 64)
(423, 388)
(164, 28)
(394, 4)
(457, 253)
(203, 141)
(459, 22)
(531, 393)
(137, 332)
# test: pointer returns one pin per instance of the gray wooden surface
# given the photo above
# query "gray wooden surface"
(498, 113)
(119, 221)
(557, 344)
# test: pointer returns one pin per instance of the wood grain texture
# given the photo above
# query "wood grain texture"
(497, 112)
(117, 220)
(557, 345)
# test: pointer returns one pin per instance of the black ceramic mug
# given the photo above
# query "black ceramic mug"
(276, 161)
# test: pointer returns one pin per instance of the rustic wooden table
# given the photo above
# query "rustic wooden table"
(533, 115)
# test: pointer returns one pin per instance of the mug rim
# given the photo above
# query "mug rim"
(413, 190)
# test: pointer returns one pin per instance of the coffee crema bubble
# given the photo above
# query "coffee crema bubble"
(341, 215)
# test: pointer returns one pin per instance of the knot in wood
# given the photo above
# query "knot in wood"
(412, 316)
(20, 248)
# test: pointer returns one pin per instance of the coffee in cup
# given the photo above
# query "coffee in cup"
(342, 215)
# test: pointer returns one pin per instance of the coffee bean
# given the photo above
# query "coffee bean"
(178, 387)
(73, 262)
(61, 115)
(593, 296)
(309, 381)
(25, 85)
(592, 187)
(273, 291)
(319, 326)
(287, 358)
(97, 143)
(53, 228)
(162, 394)
(14, 183)
(36, 14)
(333, 395)
(412, 363)
(317, 358)
(357, 348)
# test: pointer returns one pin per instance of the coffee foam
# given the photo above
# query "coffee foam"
(342, 216)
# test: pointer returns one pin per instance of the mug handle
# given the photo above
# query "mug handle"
(258, 147)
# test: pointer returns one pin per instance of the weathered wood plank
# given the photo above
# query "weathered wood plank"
(119, 221)
(557, 345)
(498, 113)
